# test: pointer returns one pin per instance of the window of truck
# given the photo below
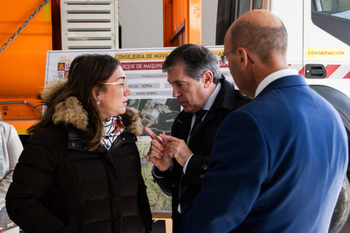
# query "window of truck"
(229, 11)
(333, 16)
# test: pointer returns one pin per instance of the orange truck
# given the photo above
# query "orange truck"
(25, 37)
(28, 29)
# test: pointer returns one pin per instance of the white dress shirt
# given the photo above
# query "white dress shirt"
(272, 77)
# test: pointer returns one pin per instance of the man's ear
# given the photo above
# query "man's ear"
(207, 78)
(243, 57)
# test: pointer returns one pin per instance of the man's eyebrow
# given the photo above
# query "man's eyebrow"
(178, 81)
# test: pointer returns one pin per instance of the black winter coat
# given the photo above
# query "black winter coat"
(58, 186)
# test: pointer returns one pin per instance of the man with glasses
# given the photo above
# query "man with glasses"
(278, 163)
(205, 95)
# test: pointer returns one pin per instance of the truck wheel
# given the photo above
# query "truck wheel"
(342, 209)
(341, 103)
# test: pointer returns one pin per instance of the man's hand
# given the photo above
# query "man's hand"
(158, 152)
(178, 149)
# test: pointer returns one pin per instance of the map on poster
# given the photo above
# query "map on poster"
(151, 95)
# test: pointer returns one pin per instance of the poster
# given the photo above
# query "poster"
(151, 95)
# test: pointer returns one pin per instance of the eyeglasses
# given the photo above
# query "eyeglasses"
(123, 84)
(223, 58)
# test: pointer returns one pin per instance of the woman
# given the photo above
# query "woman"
(10, 150)
(80, 170)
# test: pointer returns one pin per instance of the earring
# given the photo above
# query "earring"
(98, 102)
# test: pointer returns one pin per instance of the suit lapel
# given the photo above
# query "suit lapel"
(184, 124)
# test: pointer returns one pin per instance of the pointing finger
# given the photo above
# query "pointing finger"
(152, 134)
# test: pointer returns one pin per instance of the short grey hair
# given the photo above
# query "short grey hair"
(196, 58)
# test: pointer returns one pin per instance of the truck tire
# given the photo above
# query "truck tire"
(341, 103)
(342, 209)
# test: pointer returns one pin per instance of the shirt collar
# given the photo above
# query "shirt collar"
(272, 77)
(212, 97)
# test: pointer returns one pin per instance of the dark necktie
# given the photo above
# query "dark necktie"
(197, 123)
(183, 186)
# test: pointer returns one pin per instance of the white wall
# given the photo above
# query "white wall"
(142, 23)
(209, 11)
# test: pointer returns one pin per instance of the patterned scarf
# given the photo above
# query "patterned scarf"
(113, 127)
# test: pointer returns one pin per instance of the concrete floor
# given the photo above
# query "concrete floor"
(159, 227)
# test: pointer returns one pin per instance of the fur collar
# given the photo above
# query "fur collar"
(71, 111)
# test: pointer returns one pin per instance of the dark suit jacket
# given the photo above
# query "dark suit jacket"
(201, 143)
(281, 171)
